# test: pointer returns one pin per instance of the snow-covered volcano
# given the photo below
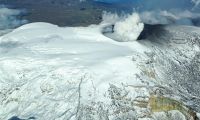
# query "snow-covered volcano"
(76, 73)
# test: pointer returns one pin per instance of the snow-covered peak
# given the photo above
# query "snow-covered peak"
(47, 68)
(70, 73)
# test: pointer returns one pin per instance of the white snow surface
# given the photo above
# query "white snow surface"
(69, 73)
(50, 73)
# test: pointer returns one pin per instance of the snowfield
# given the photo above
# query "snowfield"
(67, 73)
(51, 73)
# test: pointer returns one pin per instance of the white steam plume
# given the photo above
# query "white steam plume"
(125, 28)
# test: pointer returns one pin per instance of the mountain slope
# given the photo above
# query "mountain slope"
(54, 73)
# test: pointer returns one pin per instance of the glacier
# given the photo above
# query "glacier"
(59, 68)
(119, 69)
(68, 73)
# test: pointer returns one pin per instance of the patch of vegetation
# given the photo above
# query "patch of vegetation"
(159, 104)
(164, 104)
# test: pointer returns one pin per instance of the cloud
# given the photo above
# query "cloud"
(196, 2)
(127, 27)
(183, 12)
(169, 17)
(9, 18)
